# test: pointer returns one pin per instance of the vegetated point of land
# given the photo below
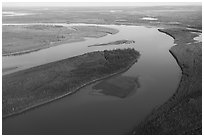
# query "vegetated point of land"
(39, 85)
(118, 42)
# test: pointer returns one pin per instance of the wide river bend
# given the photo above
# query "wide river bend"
(87, 113)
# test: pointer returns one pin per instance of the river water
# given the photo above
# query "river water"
(87, 113)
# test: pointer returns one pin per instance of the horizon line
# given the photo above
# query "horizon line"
(97, 4)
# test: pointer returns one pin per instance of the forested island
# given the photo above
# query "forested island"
(42, 84)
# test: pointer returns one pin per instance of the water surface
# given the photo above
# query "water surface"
(11, 13)
(198, 38)
(86, 112)
(149, 18)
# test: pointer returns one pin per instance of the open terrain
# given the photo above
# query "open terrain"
(184, 16)
(24, 39)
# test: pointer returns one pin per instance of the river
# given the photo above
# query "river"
(88, 113)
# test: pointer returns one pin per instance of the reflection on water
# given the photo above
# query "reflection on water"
(11, 13)
(149, 18)
(119, 86)
(87, 113)
(199, 38)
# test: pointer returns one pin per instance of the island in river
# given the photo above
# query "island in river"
(45, 83)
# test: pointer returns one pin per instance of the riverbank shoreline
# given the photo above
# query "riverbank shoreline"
(41, 48)
(74, 90)
(185, 104)
(23, 39)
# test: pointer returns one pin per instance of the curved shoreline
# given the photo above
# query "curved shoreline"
(170, 50)
(63, 42)
(186, 90)
(22, 52)
(74, 91)
(53, 45)
(50, 45)
(69, 93)
(38, 49)
(160, 30)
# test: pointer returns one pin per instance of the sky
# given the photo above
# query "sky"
(63, 4)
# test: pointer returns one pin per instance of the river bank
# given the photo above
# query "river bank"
(182, 113)
(58, 79)
(22, 39)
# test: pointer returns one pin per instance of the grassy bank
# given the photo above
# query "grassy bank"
(182, 113)
(32, 87)
(23, 39)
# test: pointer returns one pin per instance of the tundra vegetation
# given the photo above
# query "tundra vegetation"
(23, 39)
